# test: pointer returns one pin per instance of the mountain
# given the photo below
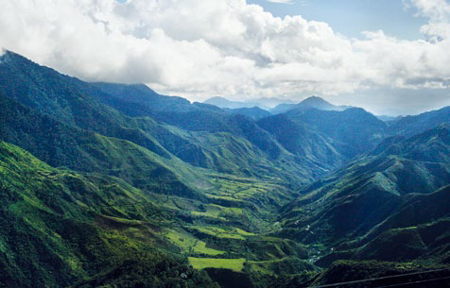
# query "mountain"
(219, 179)
(417, 233)
(389, 119)
(418, 230)
(62, 145)
(412, 125)
(138, 100)
(350, 202)
(225, 103)
(255, 112)
(327, 137)
(201, 118)
(299, 139)
(57, 228)
(262, 103)
(271, 102)
(318, 103)
(353, 131)
(115, 185)
(66, 99)
(308, 103)
(381, 274)
(132, 163)
(384, 215)
(82, 105)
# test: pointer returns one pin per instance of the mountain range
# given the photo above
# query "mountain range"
(262, 107)
(262, 103)
(115, 185)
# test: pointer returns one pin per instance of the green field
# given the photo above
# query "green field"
(190, 244)
(232, 264)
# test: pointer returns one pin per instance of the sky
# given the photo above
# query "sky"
(351, 17)
(387, 56)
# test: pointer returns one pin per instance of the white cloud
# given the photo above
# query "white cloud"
(201, 48)
(438, 11)
(281, 1)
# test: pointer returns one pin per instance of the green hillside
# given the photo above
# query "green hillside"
(351, 201)
(61, 227)
(353, 131)
(384, 206)
(114, 185)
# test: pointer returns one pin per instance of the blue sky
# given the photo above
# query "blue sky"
(350, 17)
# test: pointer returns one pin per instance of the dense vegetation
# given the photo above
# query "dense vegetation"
(112, 185)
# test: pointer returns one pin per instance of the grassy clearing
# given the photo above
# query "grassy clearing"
(234, 188)
(244, 233)
(190, 244)
(200, 247)
(232, 264)
(219, 232)
(220, 212)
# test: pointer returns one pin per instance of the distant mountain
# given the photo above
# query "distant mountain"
(138, 100)
(254, 113)
(225, 103)
(308, 103)
(312, 102)
(142, 101)
(318, 103)
(198, 118)
(271, 102)
(412, 125)
(353, 130)
(430, 146)
(263, 103)
(299, 139)
(389, 119)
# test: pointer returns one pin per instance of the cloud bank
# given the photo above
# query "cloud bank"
(203, 48)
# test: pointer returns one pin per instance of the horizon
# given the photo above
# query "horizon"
(255, 100)
(387, 57)
(317, 96)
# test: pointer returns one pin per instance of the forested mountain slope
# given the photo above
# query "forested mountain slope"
(114, 185)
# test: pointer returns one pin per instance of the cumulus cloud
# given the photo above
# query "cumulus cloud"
(201, 48)
(281, 1)
(438, 11)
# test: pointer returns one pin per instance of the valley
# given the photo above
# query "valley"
(114, 185)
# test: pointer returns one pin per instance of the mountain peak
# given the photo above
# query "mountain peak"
(225, 103)
(10, 55)
(317, 102)
(6, 55)
(314, 99)
(217, 98)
